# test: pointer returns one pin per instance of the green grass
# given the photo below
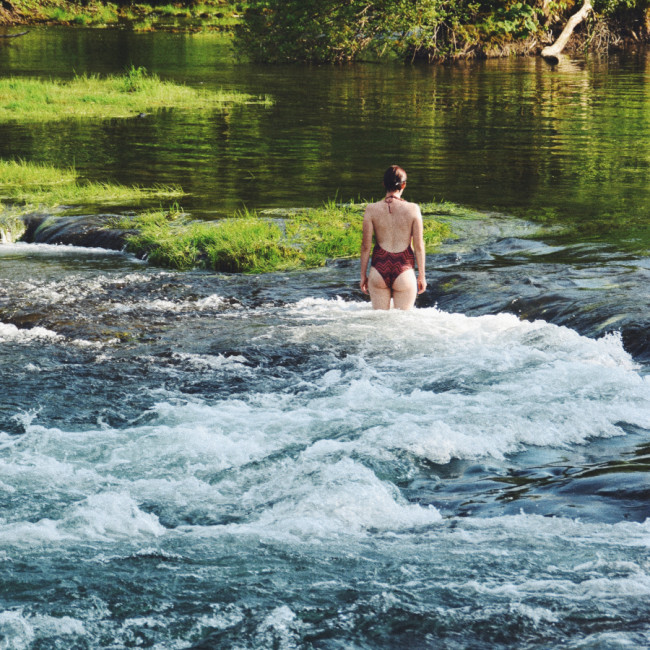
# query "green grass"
(32, 184)
(209, 14)
(172, 10)
(68, 13)
(135, 92)
(239, 244)
(251, 243)
(447, 209)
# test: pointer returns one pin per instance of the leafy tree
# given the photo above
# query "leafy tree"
(341, 30)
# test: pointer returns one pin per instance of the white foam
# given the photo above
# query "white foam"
(498, 382)
(315, 499)
(58, 250)
(209, 302)
(77, 287)
(99, 517)
(215, 362)
(279, 630)
(536, 614)
(222, 618)
(10, 333)
(628, 534)
(16, 632)
(635, 587)
(613, 640)
(163, 305)
(297, 461)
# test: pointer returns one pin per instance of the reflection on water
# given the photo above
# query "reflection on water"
(517, 134)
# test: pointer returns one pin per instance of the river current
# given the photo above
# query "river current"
(200, 460)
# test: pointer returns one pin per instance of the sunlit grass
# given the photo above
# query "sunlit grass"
(209, 14)
(171, 10)
(447, 209)
(95, 13)
(133, 93)
(29, 183)
(239, 244)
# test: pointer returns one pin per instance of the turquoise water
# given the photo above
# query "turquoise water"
(197, 460)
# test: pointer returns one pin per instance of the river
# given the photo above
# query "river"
(200, 460)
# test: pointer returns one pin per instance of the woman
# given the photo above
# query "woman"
(396, 224)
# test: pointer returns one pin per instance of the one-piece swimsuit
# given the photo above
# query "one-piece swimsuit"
(391, 265)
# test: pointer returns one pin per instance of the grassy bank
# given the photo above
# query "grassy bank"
(127, 95)
(207, 15)
(253, 243)
(23, 183)
(25, 187)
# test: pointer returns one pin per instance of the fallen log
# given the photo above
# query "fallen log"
(552, 52)
(14, 35)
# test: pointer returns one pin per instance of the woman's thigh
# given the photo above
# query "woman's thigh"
(405, 290)
(379, 292)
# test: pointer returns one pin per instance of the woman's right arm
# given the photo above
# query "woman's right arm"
(420, 252)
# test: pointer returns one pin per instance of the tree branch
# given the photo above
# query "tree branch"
(553, 51)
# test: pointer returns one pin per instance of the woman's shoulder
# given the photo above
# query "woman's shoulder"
(413, 208)
(375, 208)
(375, 205)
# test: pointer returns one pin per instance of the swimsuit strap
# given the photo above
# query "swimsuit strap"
(389, 199)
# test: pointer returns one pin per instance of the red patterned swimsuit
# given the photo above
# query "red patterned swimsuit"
(390, 265)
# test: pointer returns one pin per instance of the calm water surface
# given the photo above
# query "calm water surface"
(568, 141)
(197, 460)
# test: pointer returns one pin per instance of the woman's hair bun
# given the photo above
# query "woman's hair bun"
(394, 178)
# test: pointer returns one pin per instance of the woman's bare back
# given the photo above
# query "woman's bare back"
(393, 222)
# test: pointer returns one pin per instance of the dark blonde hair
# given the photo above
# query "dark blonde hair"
(394, 178)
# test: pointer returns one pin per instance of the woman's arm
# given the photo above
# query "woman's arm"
(366, 246)
(418, 247)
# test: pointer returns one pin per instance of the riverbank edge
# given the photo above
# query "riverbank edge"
(205, 15)
(44, 204)
(627, 29)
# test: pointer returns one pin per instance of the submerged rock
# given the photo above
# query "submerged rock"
(89, 231)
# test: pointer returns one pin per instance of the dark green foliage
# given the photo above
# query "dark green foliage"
(333, 30)
(343, 30)
(309, 30)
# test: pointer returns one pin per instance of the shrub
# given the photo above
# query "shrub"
(334, 31)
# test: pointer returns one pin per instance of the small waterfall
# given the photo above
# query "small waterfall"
(12, 228)
(91, 231)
